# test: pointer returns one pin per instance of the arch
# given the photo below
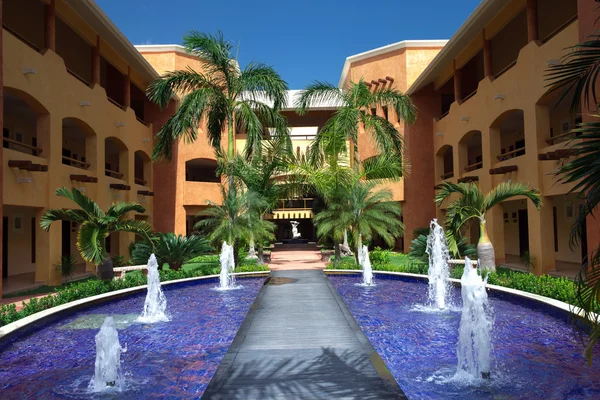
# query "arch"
(507, 135)
(78, 143)
(202, 170)
(116, 158)
(554, 118)
(470, 151)
(26, 123)
(142, 168)
(444, 162)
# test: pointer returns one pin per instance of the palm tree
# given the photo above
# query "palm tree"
(473, 204)
(356, 102)
(171, 249)
(222, 95)
(235, 220)
(95, 225)
(260, 174)
(577, 75)
(365, 211)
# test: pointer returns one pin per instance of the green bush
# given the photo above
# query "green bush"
(92, 287)
(379, 256)
(205, 258)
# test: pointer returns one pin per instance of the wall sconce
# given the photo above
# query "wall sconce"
(439, 134)
(552, 63)
(120, 124)
(85, 103)
(29, 71)
(145, 140)
(499, 97)
(464, 118)
(23, 180)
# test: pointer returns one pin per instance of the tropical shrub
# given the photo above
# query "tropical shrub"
(171, 249)
(380, 256)
(66, 266)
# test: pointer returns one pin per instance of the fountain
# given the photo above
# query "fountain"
(107, 373)
(474, 345)
(155, 305)
(365, 263)
(439, 270)
(226, 279)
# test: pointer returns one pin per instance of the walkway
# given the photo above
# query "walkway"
(299, 341)
(288, 258)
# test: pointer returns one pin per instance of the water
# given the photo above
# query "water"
(226, 279)
(107, 373)
(474, 338)
(535, 352)
(155, 306)
(439, 269)
(176, 359)
(365, 263)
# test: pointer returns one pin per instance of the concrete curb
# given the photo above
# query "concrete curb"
(13, 327)
(542, 299)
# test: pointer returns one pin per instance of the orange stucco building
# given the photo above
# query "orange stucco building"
(75, 115)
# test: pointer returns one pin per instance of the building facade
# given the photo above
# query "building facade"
(74, 115)
(486, 108)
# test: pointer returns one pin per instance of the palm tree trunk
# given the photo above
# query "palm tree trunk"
(230, 148)
(338, 254)
(485, 248)
(358, 249)
(356, 155)
(260, 254)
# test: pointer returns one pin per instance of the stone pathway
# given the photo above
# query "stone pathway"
(299, 341)
(290, 259)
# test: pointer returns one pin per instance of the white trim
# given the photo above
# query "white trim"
(160, 48)
(13, 326)
(386, 49)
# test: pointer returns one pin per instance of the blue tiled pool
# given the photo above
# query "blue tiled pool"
(175, 359)
(536, 354)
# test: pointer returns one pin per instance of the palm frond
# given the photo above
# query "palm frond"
(401, 103)
(86, 204)
(121, 209)
(263, 84)
(90, 242)
(53, 215)
(318, 93)
(508, 189)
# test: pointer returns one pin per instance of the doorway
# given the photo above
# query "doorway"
(66, 238)
(523, 232)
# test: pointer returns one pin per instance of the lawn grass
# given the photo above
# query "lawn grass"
(45, 289)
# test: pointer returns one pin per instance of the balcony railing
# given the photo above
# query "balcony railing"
(116, 103)
(140, 181)
(36, 151)
(295, 204)
(75, 162)
(447, 175)
(503, 70)
(473, 167)
(79, 78)
(511, 154)
(114, 174)
(562, 136)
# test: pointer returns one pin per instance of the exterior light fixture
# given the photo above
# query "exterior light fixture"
(145, 140)
(85, 103)
(29, 71)
(499, 97)
(552, 63)
(464, 118)
(120, 124)
(439, 134)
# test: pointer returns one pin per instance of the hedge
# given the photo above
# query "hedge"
(93, 287)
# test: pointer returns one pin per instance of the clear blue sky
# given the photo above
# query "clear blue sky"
(303, 39)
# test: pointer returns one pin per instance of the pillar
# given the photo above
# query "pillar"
(457, 84)
(127, 89)
(1, 128)
(495, 227)
(50, 26)
(419, 208)
(96, 62)
(541, 236)
(487, 58)
(532, 20)
(48, 251)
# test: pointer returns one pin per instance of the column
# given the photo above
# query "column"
(495, 227)
(532, 20)
(457, 84)
(50, 26)
(541, 236)
(96, 62)
(48, 251)
(127, 89)
(487, 58)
